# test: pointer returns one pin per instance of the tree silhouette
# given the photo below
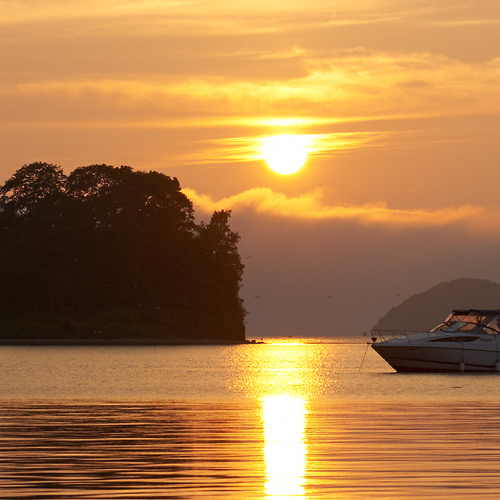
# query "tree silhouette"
(111, 252)
(223, 270)
(31, 186)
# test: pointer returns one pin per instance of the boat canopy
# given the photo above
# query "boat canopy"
(474, 318)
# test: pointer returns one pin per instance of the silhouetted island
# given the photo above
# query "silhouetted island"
(428, 309)
(110, 255)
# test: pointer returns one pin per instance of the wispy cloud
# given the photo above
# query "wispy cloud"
(312, 206)
(219, 17)
(358, 84)
(361, 87)
(244, 149)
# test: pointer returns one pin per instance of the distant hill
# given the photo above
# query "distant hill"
(425, 310)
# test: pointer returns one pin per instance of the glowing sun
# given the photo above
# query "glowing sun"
(285, 154)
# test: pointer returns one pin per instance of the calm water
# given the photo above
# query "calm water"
(299, 421)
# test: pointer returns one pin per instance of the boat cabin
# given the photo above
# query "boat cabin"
(468, 320)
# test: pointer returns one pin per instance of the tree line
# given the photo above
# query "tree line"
(111, 253)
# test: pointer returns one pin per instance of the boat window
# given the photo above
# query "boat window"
(469, 338)
(440, 328)
(467, 327)
(448, 327)
(493, 324)
(464, 318)
(454, 327)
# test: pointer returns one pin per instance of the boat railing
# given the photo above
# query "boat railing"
(394, 334)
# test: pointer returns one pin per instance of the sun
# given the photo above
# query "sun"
(285, 154)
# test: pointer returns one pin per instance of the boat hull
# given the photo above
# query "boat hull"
(415, 358)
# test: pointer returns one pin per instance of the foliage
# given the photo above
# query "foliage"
(111, 252)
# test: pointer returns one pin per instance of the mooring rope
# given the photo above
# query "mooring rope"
(364, 356)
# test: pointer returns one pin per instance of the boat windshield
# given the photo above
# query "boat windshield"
(469, 322)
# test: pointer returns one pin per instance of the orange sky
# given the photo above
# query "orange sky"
(399, 99)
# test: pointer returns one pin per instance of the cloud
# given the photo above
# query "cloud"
(244, 149)
(311, 206)
(335, 87)
(261, 15)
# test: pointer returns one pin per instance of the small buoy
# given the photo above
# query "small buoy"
(461, 367)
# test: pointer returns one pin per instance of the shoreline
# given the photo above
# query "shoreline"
(120, 342)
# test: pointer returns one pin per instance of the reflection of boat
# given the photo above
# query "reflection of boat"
(468, 340)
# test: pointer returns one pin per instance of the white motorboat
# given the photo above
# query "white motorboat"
(467, 341)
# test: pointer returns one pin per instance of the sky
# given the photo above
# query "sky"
(399, 102)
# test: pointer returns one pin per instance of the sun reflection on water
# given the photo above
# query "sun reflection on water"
(280, 369)
(285, 449)
(285, 377)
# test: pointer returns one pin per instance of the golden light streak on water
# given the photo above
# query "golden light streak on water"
(282, 369)
(285, 449)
